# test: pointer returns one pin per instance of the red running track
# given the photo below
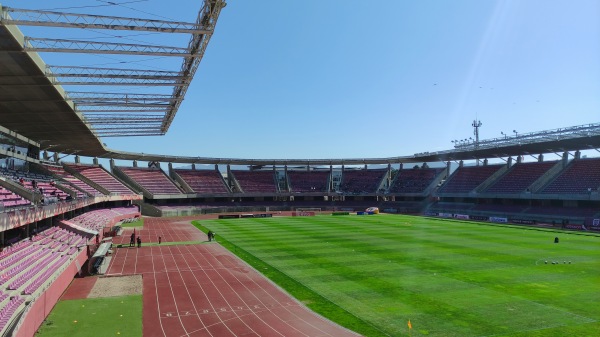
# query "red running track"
(203, 290)
(169, 229)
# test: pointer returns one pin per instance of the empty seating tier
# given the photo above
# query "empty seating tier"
(580, 177)
(361, 181)
(29, 264)
(48, 189)
(465, 179)
(9, 199)
(153, 180)
(99, 176)
(60, 173)
(414, 180)
(98, 219)
(255, 181)
(204, 181)
(308, 181)
(520, 177)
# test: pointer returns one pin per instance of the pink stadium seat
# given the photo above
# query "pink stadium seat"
(520, 177)
(361, 181)
(579, 176)
(255, 181)
(308, 181)
(99, 176)
(465, 179)
(153, 180)
(204, 181)
(9, 199)
(68, 179)
(414, 180)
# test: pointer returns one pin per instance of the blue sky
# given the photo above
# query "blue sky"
(354, 79)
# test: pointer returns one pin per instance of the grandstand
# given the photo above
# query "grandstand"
(56, 212)
(97, 176)
(10, 199)
(151, 180)
(416, 180)
(308, 181)
(363, 181)
(254, 181)
(81, 187)
(520, 177)
(202, 181)
(579, 177)
(467, 178)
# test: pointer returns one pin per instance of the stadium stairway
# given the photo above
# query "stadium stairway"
(21, 191)
(492, 179)
(547, 177)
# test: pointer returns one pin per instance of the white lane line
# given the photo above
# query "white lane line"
(209, 302)
(189, 295)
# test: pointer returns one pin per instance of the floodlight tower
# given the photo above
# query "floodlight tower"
(476, 125)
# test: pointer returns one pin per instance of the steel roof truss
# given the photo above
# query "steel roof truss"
(28, 17)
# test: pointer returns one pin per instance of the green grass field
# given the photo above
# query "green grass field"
(450, 278)
(98, 317)
(137, 223)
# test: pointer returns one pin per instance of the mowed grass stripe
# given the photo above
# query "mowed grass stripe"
(387, 269)
(506, 246)
(528, 260)
(377, 242)
(371, 288)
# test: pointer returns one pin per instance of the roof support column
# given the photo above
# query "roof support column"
(229, 180)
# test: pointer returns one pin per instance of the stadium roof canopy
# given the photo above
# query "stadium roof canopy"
(34, 103)
(581, 137)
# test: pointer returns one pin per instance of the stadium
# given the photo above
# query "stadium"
(162, 236)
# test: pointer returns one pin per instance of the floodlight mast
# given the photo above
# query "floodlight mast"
(476, 125)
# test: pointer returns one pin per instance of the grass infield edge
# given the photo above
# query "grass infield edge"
(138, 223)
(301, 292)
(517, 226)
(56, 324)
